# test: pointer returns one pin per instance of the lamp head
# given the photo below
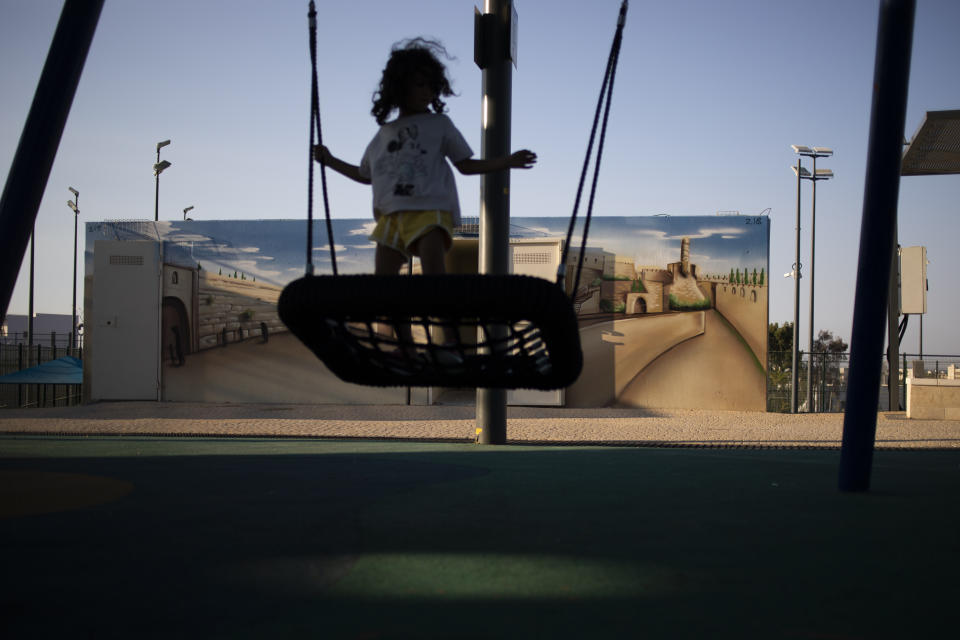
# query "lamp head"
(815, 152)
(74, 191)
(161, 145)
(73, 206)
(160, 166)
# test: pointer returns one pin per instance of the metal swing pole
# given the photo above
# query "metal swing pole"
(494, 52)
(878, 242)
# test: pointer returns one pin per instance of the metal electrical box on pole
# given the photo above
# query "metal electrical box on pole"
(913, 280)
(494, 51)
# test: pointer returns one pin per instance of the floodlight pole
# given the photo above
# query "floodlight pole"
(813, 245)
(157, 170)
(893, 327)
(921, 334)
(75, 207)
(814, 153)
(73, 306)
(794, 368)
(492, 53)
(33, 236)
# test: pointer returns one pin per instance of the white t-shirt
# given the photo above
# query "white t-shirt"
(406, 163)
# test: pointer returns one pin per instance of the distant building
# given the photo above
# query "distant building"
(14, 328)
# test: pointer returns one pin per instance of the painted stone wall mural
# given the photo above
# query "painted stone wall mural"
(672, 309)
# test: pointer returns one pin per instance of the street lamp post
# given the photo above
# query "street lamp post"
(794, 377)
(185, 212)
(157, 170)
(33, 236)
(818, 174)
(74, 205)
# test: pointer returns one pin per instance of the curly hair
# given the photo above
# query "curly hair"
(407, 58)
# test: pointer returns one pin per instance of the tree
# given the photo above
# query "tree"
(828, 352)
(762, 276)
(779, 363)
(827, 343)
(780, 338)
(730, 279)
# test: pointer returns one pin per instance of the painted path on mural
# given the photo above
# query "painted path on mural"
(715, 370)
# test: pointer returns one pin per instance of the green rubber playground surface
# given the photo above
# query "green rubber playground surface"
(136, 537)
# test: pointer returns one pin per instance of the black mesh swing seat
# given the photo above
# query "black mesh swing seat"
(482, 331)
(510, 332)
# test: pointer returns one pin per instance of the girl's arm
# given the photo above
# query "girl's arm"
(523, 159)
(352, 171)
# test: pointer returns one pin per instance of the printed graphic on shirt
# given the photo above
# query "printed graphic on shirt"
(404, 161)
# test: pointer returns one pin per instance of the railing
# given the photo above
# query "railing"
(18, 356)
(52, 339)
(827, 373)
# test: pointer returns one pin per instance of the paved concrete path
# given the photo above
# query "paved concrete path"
(457, 423)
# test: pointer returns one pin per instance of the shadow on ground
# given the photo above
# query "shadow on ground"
(151, 537)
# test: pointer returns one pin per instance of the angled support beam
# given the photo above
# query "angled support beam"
(41, 137)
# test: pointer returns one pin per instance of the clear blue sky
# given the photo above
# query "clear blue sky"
(709, 98)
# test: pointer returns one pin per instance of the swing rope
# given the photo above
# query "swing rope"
(315, 128)
(603, 103)
(512, 331)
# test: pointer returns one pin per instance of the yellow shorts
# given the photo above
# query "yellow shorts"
(401, 229)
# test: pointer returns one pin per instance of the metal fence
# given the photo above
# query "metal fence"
(18, 356)
(53, 339)
(827, 374)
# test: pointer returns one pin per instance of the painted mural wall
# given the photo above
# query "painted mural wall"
(673, 309)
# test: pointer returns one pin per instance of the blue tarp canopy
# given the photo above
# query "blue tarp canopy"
(65, 370)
